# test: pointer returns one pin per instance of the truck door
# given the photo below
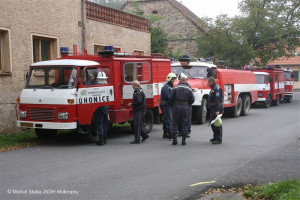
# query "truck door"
(140, 71)
(94, 91)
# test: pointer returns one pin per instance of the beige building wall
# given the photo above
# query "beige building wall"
(181, 31)
(128, 40)
(60, 20)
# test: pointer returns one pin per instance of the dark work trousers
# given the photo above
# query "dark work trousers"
(180, 117)
(138, 125)
(167, 114)
(218, 130)
(190, 122)
(102, 120)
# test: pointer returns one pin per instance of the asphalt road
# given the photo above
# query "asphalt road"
(261, 147)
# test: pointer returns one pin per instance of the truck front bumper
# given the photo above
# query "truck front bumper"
(47, 125)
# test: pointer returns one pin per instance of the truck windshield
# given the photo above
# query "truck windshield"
(52, 77)
(193, 72)
(260, 78)
(287, 75)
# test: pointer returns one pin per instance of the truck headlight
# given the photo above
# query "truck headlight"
(260, 94)
(63, 115)
(22, 114)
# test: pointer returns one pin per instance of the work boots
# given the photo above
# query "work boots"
(183, 140)
(101, 141)
(170, 135)
(166, 135)
(175, 139)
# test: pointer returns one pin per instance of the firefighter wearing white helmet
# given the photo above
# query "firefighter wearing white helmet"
(101, 114)
(181, 98)
(166, 106)
(102, 78)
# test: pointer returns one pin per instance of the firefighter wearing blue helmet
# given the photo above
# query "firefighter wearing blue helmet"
(166, 106)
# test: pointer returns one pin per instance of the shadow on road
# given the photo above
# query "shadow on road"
(73, 138)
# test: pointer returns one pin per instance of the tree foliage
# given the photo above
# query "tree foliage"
(266, 30)
(159, 39)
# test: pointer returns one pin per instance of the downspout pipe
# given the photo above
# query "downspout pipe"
(83, 3)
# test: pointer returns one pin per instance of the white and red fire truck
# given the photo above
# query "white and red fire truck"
(62, 94)
(288, 85)
(264, 88)
(276, 82)
(239, 88)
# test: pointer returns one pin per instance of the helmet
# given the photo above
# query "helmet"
(183, 76)
(171, 76)
(102, 78)
(217, 121)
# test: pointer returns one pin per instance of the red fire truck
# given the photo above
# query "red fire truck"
(276, 81)
(288, 85)
(239, 87)
(264, 88)
(63, 93)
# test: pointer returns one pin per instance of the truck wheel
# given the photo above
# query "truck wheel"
(237, 109)
(91, 135)
(246, 104)
(45, 133)
(201, 112)
(268, 101)
(148, 121)
(276, 102)
(289, 99)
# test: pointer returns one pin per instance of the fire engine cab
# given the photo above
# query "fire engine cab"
(276, 81)
(264, 88)
(288, 85)
(239, 88)
(64, 93)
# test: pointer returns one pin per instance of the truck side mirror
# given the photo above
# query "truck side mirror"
(26, 74)
(270, 79)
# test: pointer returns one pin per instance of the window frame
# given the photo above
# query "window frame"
(135, 73)
(53, 46)
(103, 45)
(5, 52)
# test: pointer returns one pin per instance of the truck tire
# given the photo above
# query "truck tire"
(201, 112)
(45, 133)
(246, 104)
(276, 102)
(237, 109)
(91, 135)
(268, 101)
(148, 121)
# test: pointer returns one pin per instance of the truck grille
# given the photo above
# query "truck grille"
(41, 114)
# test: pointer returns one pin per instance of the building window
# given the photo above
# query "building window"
(139, 52)
(296, 76)
(100, 48)
(4, 52)
(44, 48)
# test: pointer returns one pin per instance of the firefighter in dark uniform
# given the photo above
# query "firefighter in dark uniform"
(181, 98)
(215, 101)
(102, 122)
(101, 113)
(166, 106)
(139, 109)
(190, 118)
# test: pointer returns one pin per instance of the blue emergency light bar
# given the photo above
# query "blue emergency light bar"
(64, 50)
